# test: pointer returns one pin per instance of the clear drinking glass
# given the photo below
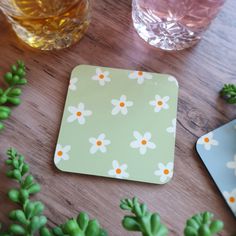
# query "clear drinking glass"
(173, 24)
(48, 24)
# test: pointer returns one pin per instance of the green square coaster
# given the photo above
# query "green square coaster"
(120, 124)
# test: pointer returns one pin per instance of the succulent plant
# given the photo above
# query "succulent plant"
(28, 218)
(11, 94)
(228, 92)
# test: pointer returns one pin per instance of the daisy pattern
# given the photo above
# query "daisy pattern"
(165, 172)
(142, 142)
(232, 164)
(101, 76)
(99, 144)
(160, 103)
(172, 129)
(118, 171)
(73, 82)
(121, 105)
(61, 153)
(208, 141)
(78, 113)
(231, 199)
(140, 76)
(173, 79)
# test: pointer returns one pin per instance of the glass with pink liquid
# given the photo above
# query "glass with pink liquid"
(173, 24)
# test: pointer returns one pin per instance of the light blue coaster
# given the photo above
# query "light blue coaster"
(217, 150)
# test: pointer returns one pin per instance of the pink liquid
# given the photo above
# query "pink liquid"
(152, 17)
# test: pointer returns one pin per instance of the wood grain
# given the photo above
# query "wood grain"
(112, 41)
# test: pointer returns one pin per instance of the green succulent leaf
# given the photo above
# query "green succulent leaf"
(130, 223)
(83, 220)
(36, 223)
(190, 231)
(38, 208)
(14, 100)
(16, 173)
(216, 226)
(24, 169)
(20, 217)
(29, 209)
(93, 228)
(34, 188)
(57, 231)
(4, 115)
(24, 195)
(29, 180)
(44, 231)
(14, 195)
(17, 229)
(1, 126)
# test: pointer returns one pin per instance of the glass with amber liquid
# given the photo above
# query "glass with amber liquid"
(48, 24)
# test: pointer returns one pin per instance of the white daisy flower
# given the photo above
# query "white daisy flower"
(173, 79)
(73, 82)
(208, 141)
(118, 170)
(101, 76)
(140, 76)
(232, 164)
(121, 105)
(61, 153)
(164, 171)
(142, 142)
(172, 129)
(99, 144)
(78, 113)
(160, 103)
(230, 198)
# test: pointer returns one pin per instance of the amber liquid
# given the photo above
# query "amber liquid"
(48, 24)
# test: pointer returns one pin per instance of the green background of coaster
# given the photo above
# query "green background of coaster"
(119, 129)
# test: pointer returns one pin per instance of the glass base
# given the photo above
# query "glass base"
(169, 35)
(49, 40)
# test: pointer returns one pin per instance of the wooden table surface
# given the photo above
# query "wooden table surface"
(112, 41)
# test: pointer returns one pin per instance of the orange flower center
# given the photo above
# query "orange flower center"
(144, 142)
(118, 171)
(166, 171)
(206, 140)
(159, 103)
(78, 113)
(122, 104)
(232, 199)
(59, 153)
(101, 76)
(140, 73)
(99, 143)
